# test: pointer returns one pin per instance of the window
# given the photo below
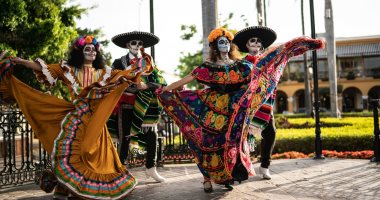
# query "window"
(323, 72)
(372, 67)
(296, 71)
(349, 68)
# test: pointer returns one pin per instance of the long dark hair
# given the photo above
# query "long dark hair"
(76, 58)
(214, 52)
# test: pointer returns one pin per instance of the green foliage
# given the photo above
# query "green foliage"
(41, 28)
(12, 13)
(188, 64)
(188, 31)
(35, 29)
(353, 134)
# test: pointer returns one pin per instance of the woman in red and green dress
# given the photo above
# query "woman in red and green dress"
(216, 120)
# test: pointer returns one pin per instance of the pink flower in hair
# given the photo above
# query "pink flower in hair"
(81, 41)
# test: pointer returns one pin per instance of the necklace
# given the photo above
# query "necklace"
(88, 65)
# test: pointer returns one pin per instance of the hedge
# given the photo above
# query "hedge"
(354, 134)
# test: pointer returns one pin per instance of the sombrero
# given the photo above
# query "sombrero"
(148, 39)
(266, 35)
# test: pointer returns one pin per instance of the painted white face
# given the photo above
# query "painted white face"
(254, 46)
(224, 45)
(134, 46)
(89, 52)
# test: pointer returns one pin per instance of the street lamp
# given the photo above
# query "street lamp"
(318, 139)
(151, 11)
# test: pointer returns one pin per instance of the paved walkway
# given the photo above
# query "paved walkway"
(304, 179)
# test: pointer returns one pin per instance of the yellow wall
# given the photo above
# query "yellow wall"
(291, 87)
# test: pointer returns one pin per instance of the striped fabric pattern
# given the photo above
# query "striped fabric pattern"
(262, 116)
(110, 186)
(146, 109)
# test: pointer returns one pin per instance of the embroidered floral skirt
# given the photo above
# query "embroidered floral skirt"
(212, 128)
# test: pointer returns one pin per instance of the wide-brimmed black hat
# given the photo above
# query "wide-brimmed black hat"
(148, 39)
(266, 35)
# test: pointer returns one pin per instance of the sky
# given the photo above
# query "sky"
(351, 19)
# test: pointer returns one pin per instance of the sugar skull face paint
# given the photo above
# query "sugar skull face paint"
(254, 45)
(224, 44)
(89, 52)
(134, 46)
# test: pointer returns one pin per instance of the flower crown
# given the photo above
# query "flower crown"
(87, 39)
(218, 32)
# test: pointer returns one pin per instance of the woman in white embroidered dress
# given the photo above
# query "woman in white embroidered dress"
(84, 160)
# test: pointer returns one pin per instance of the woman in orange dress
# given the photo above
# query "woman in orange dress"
(85, 162)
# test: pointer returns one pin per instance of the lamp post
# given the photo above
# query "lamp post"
(151, 26)
(318, 139)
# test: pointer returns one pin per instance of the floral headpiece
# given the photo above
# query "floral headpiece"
(218, 32)
(87, 39)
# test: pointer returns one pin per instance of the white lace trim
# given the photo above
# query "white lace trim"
(70, 77)
(46, 72)
(106, 75)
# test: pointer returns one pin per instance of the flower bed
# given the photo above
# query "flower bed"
(367, 154)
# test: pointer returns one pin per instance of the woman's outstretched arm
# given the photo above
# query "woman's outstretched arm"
(179, 83)
(26, 63)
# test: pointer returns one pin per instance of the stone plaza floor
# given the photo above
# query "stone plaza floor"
(304, 179)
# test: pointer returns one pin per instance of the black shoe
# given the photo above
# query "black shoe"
(228, 186)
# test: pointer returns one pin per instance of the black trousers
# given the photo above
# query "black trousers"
(149, 137)
(267, 143)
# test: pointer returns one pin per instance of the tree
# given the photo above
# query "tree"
(308, 98)
(40, 28)
(260, 12)
(331, 58)
(209, 21)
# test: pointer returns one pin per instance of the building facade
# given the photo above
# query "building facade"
(358, 71)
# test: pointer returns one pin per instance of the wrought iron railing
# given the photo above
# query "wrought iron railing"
(21, 156)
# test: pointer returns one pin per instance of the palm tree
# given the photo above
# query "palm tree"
(331, 58)
(260, 12)
(209, 21)
(306, 71)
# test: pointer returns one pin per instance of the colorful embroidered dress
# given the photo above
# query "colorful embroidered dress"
(263, 115)
(84, 158)
(216, 120)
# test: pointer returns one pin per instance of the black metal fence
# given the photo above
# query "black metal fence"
(21, 155)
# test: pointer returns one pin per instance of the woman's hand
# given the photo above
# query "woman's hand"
(142, 86)
(3, 54)
(18, 61)
(159, 90)
(26, 63)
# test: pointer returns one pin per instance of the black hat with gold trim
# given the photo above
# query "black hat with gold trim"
(148, 39)
(266, 35)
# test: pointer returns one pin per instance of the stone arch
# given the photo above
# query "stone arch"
(299, 104)
(281, 103)
(373, 93)
(352, 99)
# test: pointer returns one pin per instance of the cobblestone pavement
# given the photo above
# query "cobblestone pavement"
(305, 179)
